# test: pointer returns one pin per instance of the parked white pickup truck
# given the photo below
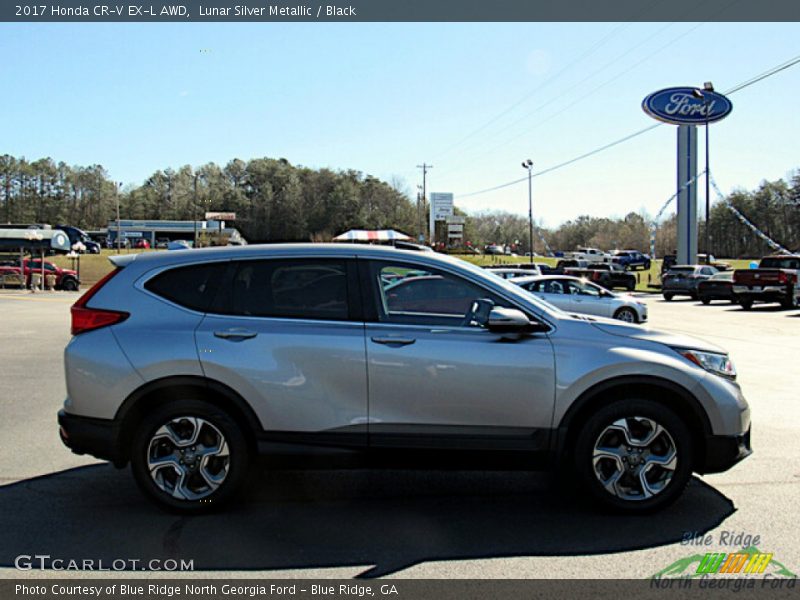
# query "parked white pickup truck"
(592, 255)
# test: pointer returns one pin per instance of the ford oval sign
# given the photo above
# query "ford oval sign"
(680, 106)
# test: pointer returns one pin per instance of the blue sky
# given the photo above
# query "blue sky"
(473, 99)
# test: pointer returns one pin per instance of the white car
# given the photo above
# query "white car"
(592, 255)
(575, 295)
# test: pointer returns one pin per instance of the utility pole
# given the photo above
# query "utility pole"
(420, 236)
(432, 232)
(195, 211)
(118, 186)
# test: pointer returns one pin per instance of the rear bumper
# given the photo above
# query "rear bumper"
(722, 452)
(766, 291)
(84, 435)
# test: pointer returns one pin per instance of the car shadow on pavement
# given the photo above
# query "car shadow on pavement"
(380, 520)
(765, 308)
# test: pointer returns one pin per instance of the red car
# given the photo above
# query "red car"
(66, 279)
(142, 243)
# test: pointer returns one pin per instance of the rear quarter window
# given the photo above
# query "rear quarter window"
(192, 287)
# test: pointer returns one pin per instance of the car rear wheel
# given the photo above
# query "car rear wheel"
(746, 303)
(189, 456)
(634, 455)
(705, 300)
(790, 302)
(626, 314)
(70, 285)
(669, 297)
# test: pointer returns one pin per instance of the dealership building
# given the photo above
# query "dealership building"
(134, 230)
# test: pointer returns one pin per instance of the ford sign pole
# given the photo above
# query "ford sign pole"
(688, 106)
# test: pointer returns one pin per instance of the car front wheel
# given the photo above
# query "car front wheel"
(626, 314)
(189, 456)
(634, 455)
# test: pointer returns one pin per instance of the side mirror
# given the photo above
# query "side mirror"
(511, 320)
(480, 311)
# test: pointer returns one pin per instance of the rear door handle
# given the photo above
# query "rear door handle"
(393, 341)
(235, 334)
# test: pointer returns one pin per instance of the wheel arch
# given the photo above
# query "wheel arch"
(161, 391)
(665, 392)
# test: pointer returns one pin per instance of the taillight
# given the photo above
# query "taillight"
(86, 319)
(782, 277)
(595, 275)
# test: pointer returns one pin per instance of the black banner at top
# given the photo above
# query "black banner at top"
(399, 10)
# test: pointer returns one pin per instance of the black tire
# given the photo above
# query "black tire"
(669, 297)
(705, 300)
(694, 296)
(69, 285)
(626, 314)
(216, 421)
(789, 302)
(678, 438)
(630, 287)
(746, 303)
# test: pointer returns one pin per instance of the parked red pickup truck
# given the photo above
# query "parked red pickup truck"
(66, 279)
(775, 280)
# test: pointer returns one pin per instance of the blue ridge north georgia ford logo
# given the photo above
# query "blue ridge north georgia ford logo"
(680, 106)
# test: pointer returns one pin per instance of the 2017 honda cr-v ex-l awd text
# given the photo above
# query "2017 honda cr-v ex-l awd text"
(188, 364)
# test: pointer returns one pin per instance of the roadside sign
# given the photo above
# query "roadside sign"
(220, 216)
(441, 205)
(456, 220)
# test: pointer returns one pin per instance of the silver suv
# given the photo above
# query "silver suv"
(187, 364)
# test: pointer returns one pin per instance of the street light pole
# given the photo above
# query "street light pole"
(528, 164)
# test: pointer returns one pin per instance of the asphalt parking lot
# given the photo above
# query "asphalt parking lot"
(393, 523)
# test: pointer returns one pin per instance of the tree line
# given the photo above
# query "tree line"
(277, 201)
(273, 200)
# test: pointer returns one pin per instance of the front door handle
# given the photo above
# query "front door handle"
(393, 341)
(235, 334)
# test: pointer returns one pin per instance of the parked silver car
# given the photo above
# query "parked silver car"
(576, 295)
(186, 364)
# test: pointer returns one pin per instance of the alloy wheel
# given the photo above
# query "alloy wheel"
(188, 458)
(634, 458)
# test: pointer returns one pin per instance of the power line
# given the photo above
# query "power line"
(538, 89)
(578, 84)
(768, 73)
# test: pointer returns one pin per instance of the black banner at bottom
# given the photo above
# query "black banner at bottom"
(400, 589)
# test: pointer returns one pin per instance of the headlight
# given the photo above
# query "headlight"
(719, 364)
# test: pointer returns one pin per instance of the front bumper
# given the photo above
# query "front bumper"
(84, 435)
(724, 451)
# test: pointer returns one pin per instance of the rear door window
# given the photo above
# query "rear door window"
(295, 289)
